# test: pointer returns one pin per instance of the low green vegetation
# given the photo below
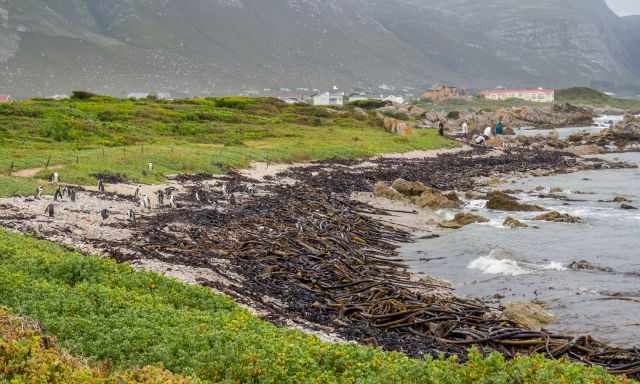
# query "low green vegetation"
(120, 320)
(591, 97)
(29, 356)
(89, 134)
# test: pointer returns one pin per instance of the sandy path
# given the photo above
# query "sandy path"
(32, 172)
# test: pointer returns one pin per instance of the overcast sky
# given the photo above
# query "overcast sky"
(625, 7)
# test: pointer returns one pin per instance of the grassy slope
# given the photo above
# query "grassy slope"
(122, 136)
(111, 314)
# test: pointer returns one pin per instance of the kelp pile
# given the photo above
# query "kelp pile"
(453, 171)
(302, 253)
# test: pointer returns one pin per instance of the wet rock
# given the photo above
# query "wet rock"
(584, 265)
(473, 195)
(628, 207)
(620, 199)
(529, 315)
(384, 191)
(502, 202)
(409, 188)
(587, 150)
(556, 190)
(558, 217)
(435, 200)
(514, 223)
(463, 219)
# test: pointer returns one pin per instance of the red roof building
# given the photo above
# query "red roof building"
(5, 98)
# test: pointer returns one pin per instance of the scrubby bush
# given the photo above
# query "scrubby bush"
(82, 95)
(369, 104)
(453, 115)
(396, 114)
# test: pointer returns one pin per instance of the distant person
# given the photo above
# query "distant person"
(441, 128)
(499, 127)
(465, 130)
(488, 132)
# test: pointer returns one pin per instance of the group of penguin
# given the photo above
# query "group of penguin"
(69, 192)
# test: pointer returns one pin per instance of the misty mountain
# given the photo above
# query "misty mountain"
(224, 46)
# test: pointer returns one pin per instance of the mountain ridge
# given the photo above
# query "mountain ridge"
(225, 46)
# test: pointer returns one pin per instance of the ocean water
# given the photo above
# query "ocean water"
(501, 264)
(600, 123)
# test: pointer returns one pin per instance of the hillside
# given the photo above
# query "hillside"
(224, 46)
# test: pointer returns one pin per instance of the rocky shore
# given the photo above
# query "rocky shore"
(303, 248)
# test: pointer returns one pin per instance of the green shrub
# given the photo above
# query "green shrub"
(234, 102)
(82, 95)
(369, 104)
(453, 115)
(396, 114)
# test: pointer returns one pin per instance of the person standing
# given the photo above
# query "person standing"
(465, 130)
(499, 127)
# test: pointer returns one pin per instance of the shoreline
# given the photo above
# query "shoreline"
(116, 238)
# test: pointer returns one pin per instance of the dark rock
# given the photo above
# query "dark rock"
(558, 217)
(627, 206)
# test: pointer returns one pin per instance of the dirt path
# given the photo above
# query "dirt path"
(32, 172)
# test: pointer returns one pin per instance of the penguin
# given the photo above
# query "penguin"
(105, 214)
(150, 166)
(198, 196)
(72, 195)
(55, 178)
(38, 194)
(50, 211)
(146, 203)
(224, 189)
(57, 195)
(160, 198)
(172, 203)
(65, 192)
(132, 217)
(137, 192)
(100, 186)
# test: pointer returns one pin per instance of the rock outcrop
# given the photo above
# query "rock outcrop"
(463, 219)
(409, 188)
(558, 217)
(514, 223)
(501, 201)
(532, 316)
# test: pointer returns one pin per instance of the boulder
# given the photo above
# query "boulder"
(384, 191)
(587, 150)
(620, 199)
(532, 316)
(627, 206)
(435, 200)
(500, 201)
(558, 217)
(584, 265)
(409, 188)
(514, 223)
(556, 190)
(462, 219)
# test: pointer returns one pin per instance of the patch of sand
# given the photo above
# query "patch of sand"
(32, 172)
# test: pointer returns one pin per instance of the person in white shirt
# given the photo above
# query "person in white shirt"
(465, 130)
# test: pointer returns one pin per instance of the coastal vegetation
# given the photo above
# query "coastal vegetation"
(128, 326)
(90, 134)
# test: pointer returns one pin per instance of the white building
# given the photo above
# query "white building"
(394, 99)
(541, 95)
(137, 95)
(328, 98)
